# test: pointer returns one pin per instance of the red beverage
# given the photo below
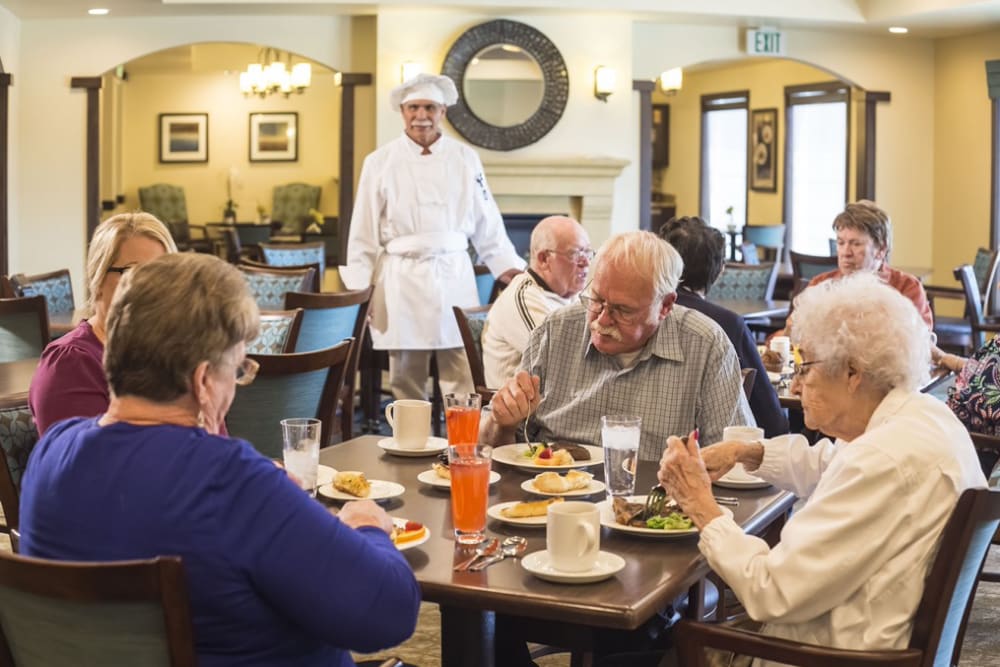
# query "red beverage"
(463, 424)
(470, 483)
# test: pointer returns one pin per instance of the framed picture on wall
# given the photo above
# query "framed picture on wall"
(661, 136)
(763, 151)
(183, 137)
(274, 137)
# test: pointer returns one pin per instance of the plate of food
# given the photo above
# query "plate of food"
(407, 534)
(324, 475)
(440, 477)
(353, 485)
(431, 447)
(573, 483)
(517, 513)
(549, 455)
(624, 514)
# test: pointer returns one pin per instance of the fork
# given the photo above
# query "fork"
(656, 501)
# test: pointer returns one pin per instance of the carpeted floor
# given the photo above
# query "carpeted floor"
(981, 647)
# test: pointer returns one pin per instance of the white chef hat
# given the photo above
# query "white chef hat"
(433, 87)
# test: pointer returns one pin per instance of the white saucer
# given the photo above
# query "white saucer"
(431, 447)
(748, 482)
(324, 475)
(431, 478)
(414, 543)
(493, 511)
(595, 486)
(608, 565)
(775, 378)
(380, 490)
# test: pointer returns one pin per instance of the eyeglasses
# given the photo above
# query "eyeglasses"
(620, 314)
(802, 370)
(575, 256)
(120, 269)
(246, 372)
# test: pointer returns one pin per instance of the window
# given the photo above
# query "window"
(816, 163)
(724, 158)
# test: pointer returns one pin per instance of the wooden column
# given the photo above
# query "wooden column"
(645, 89)
(5, 83)
(92, 84)
(865, 186)
(347, 82)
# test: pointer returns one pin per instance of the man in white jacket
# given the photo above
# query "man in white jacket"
(422, 198)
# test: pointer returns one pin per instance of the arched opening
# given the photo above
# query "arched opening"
(5, 82)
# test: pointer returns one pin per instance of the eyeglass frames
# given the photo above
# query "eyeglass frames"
(620, 314)
(575, 256)
(802, 370)
(246, 372)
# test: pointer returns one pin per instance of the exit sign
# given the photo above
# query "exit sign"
(766, 42)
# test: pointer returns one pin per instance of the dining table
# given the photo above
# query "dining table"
(657, 571)
(15, 379)
(753, 308)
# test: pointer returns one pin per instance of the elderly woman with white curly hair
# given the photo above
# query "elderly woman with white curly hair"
(849, 569)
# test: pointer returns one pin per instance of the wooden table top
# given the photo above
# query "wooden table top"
(753, 308)
(15, 379)
(657, 570)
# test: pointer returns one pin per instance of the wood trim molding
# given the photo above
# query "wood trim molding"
(645, 90)
(345, 205)
(865, 186)
(92, 84)
(994, 173)
(6, 80)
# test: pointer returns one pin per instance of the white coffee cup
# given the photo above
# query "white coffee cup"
(742, 434)
(783, 346)
(410, 421)
(573, 536)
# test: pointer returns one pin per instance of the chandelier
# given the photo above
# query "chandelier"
(270, 75)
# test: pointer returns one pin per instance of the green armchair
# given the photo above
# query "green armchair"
(291, 206)
(167, 203)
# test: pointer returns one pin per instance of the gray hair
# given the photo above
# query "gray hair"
(643, 254)
(170, 315)
(861, 322)
(107, 241)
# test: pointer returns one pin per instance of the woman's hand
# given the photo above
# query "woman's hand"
(720, 458)
(516, 399)
(358, 513)
(682, 473)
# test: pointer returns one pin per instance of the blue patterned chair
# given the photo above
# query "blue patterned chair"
(270, 284)
(295, 254)
(304, 384)
(471, 322)
(18, 436)
(24, 328)
(56, 287)
(328, 319)
(167, 202)
(291, 205)
(279, 331)
(746, 282)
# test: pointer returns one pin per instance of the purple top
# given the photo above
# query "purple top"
(69, 380)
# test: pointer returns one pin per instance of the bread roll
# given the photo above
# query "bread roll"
(352, 482)
(442, 471)
(534, 508)
(552, 482)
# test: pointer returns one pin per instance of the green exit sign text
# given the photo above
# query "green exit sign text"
(766, 42)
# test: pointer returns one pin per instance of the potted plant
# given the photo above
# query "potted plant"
(729, 215)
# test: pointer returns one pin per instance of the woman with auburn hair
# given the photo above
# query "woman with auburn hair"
(69, 380)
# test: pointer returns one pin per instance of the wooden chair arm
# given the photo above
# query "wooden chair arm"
(944, 292)
(690, 638)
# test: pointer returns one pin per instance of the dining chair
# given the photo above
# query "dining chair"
(767, 239)
(279, 332)
(56, 287)
(291, 203)
(18, 436)
(327, 319)
(168, 203)
(939, 623)
(269, 284)
(295, 254)
(132, 612)
(979, 323)
(749, 376)
(746, 281)
(24, 327)
(806, 267)
(471, 322)
(302, 384)
(489, 288)
(954, 333)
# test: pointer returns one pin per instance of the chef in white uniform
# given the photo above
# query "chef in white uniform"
(421, 199)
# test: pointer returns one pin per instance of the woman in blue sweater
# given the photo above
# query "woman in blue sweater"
(274, 578)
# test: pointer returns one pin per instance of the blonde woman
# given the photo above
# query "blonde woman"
(69, 381)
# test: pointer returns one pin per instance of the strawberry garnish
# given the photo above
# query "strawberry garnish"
(545, 453)
(413, 525)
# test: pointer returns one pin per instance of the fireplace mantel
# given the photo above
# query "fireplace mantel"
(582, 186)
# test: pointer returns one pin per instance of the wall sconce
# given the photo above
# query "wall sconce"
(671, 81)
(408, 70)
(604, 82)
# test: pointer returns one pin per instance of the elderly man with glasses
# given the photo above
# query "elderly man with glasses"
(560, 257)
(626, 349)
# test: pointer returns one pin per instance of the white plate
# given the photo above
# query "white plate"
(589, 490)
(608, 565)
(414, 543)
(380, 490)
(324, 475)
(513, 455)
(493, 511)
(431, 478)
(775, 378)
(748, 482)
(431, 447)
(608, 520)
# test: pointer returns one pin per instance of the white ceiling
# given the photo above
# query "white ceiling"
(927, 18)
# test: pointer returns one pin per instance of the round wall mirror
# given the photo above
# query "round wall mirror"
(512, 85)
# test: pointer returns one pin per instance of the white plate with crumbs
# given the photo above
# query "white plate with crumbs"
(381, 490)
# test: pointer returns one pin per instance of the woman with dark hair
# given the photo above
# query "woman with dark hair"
(703, 249)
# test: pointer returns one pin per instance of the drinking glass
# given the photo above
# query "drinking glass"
(469, 464)
(301, 450)
(461, 413)
(620, 438)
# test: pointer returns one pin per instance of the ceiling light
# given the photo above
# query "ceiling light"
(672, 80)
(98, 11)
(898, 30)
(271, 75)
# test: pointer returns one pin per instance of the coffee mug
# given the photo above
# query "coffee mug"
(783, 346)
(742, 434)
(573, 536)
(410, 421)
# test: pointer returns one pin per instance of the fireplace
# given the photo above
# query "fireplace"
(519, 228)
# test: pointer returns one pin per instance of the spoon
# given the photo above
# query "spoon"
(487, 548)
(512, 546)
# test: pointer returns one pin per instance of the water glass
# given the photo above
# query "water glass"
(461, 414)
(620, 437)
(301, 450)
(469, 464)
